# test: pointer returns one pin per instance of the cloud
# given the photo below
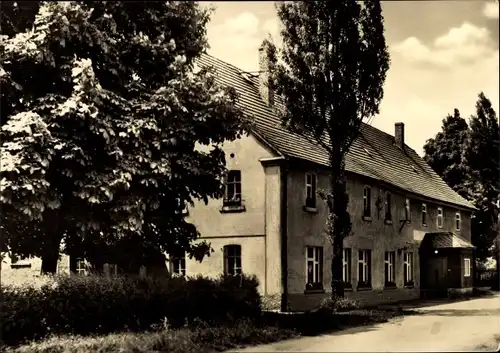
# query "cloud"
(460, 45)
(491, 9)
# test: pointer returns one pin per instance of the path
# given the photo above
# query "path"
(458, 326)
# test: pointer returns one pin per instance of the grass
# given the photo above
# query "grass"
(201, 339)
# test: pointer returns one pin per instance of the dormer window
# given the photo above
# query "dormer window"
(310, 190)
(232, 195)
(367, 201)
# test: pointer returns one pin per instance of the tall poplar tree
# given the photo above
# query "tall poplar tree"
(329, 76)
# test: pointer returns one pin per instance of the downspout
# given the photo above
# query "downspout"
(284, 236)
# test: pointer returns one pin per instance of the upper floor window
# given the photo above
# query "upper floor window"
(440, 218)
(232, 195)
(407, 210)
(314, 267)
(457, 221)
(178, 264)
(232, 260)
(346, 266)
(367, 197)
(424, 214)
(388, 206)
(311, 190)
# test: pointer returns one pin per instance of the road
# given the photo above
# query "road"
(459, 326)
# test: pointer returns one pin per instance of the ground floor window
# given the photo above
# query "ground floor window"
(346, 267)
(178, 265)
(80, 266)
(314, 267)
(232, 260)
(364, 268)
(467, 267)
(389, 265)
(408, 268)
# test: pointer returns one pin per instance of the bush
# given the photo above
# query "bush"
(93, 304)
(338, 305)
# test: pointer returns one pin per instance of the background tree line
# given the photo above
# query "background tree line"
(467, 156)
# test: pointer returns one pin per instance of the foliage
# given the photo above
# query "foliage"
(482, 160)
(330, 78)
(444, 153)
(467, 157)
(339, 304)
(201, 339)
(17, 16)
(98, 305)
(104, 109)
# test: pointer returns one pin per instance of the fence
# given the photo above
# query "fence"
(486, 278)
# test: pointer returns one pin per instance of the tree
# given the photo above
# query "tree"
(330, 78)
(17, 16)
(444, 153)
(100, 141)
(482, 160)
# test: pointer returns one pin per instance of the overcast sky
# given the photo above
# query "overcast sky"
(443, 53)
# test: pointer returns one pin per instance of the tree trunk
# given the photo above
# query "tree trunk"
(339, 221)
(50, 253)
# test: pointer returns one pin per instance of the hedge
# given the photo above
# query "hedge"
(92, 304)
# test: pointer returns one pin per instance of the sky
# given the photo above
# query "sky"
(443, 53)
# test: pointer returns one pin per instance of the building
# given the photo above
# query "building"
(411, 232)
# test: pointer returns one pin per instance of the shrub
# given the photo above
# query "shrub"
(338, 305)
(93, 304)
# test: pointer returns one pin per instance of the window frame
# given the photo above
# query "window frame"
(310, 190)
(317, 259)
(365, 262)
(408, 268)
(233, 178)
(424, 214)
(347, 266)
(468, 268)
(440, 216)
(367, 201)
(390, 269)
(178, 265)
(388, 207)
(407, 209)
(458, 221)
(79, 268)
(236, 265)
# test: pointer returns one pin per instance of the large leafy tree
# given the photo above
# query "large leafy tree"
(444, 152)
(105, 110)
(482, 160)
(330, 75)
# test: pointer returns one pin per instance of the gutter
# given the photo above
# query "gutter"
(284, 235)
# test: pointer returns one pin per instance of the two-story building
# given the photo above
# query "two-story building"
(411, 231)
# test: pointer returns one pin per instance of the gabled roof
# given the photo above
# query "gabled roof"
(374, 154)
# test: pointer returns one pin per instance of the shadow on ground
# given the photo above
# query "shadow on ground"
(463, 312)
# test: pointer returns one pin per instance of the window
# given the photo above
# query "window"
(232, 195)
(408, 268)
(388, 214)
(457, 221)
(364, 268)
(346, 266)
(424, 214)
(232, 260)
(81, 268)
(466, 267)
(182, 207)
(178, 265)
(311, 190)
(367, 200)
(314, 267)
(407, 210)
(389, 264)
(440, 218)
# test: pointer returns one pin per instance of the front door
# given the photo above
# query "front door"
(437, 275)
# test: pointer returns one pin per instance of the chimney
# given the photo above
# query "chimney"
(399, 135)
(265, 91)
